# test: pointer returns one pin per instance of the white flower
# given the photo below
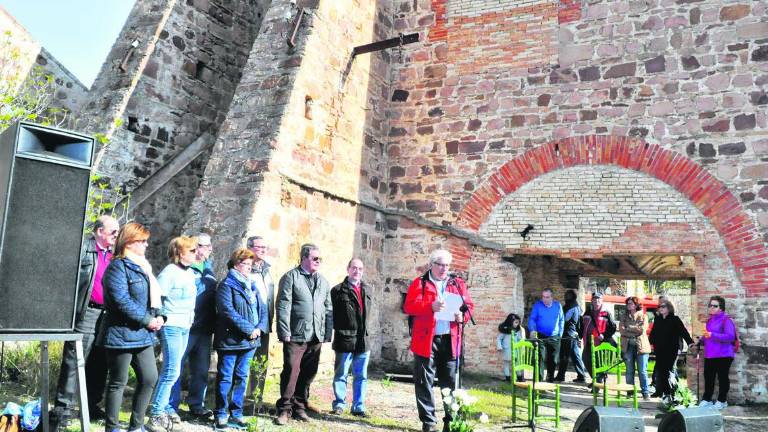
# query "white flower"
(454, 407)
(447, 400)
(446, 391)
(460, 394)
(483, 418)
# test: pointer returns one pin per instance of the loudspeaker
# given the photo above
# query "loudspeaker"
(609, 419)
(44, 180)
(693, 419)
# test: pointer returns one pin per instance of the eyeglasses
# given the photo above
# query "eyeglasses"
(444, 265)
(317, 259)
(114, 232)
(145, 241)
(716, 306)
(662, 306)
(242, 264)
(193, 250)
(258, 247)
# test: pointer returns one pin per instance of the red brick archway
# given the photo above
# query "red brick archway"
(742, 240)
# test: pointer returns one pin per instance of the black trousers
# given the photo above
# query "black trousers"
(666, 380)
(142, 360)
(300, 362)
(441, 363)
(549, 356)
(95, 367)
(717, 367)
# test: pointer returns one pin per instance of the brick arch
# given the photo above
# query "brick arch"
(740, 236)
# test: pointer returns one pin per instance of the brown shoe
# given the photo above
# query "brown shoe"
(313, 409)
(282, 418)
(300, 416)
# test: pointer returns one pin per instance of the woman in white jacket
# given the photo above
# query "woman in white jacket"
(510, 332)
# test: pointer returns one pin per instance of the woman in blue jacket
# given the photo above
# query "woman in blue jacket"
(241, 317)
(132, 302)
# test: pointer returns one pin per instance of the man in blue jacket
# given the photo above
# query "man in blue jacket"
(546, 324)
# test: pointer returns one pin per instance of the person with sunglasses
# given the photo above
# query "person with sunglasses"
(718, 340)
(132, 301)
(304, 322)
(97, 253)
(178, 291)
(665, 337)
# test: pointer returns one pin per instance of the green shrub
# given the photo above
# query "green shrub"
(21, 367)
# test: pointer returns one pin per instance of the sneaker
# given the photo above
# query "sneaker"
(300, 416)
(705, 404)
(720, 405)
(159, 423)
(337, 411)
(221, 424)
(237, 423)
(559, 379)
(361, 414)
(174, 417)
(200, 412)
(646, 397)
(282, 419)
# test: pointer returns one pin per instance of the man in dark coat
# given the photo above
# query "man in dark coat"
(350, 312)
(97, 253)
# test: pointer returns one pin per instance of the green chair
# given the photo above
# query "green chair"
(606, 359)
(525, 357)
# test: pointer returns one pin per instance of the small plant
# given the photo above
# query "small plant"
(386, 382)
(459, 402)
(259, 372)
(683, 398)
(106, 199)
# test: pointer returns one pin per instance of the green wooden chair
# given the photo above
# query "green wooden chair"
(525, 357)
(606, 359)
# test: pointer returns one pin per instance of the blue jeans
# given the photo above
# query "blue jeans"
(233, 368)
(631, 356)
(199, 355)
(174, 343)
(359, 363)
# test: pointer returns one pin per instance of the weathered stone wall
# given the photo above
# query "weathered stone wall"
(300, 157)
(170, 90)
(69, 94)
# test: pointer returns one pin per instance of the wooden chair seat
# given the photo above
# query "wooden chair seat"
(545, 386)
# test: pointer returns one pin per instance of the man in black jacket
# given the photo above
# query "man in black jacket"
(350, 311)
(97, 252)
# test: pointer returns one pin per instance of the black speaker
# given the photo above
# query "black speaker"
(693, 419)
(609, 419)
(44, 180)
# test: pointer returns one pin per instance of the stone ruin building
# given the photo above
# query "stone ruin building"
(632, 136)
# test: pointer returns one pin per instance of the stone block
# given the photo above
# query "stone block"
(718, 82)
(734, 12)
(690, 63)
(707, 150)
(732, 148)
(753, 31)
(757, 172)
(571, 54)
(654, 65)
(760, 54)
(744, 122)
(591, 73)
(622, 70)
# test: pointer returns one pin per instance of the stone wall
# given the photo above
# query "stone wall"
(300, 158)
(69, 93)
(170, 90)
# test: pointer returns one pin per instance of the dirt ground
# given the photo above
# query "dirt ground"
(392, 407)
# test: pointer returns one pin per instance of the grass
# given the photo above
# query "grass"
(495, 404)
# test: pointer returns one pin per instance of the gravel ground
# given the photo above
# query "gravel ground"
(392, 407)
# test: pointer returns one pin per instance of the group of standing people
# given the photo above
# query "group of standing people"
(562, 333)
(123, 309)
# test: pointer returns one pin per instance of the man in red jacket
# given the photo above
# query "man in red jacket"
(436, 343)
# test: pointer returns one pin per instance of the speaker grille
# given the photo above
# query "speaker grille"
(41, 246)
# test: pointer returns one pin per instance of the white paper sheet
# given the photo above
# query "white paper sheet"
(452, 304)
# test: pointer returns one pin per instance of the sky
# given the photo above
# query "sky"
(79, 33)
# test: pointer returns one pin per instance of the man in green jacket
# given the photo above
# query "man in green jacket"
(304, 322)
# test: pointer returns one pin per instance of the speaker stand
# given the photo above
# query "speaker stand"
(44, 338)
